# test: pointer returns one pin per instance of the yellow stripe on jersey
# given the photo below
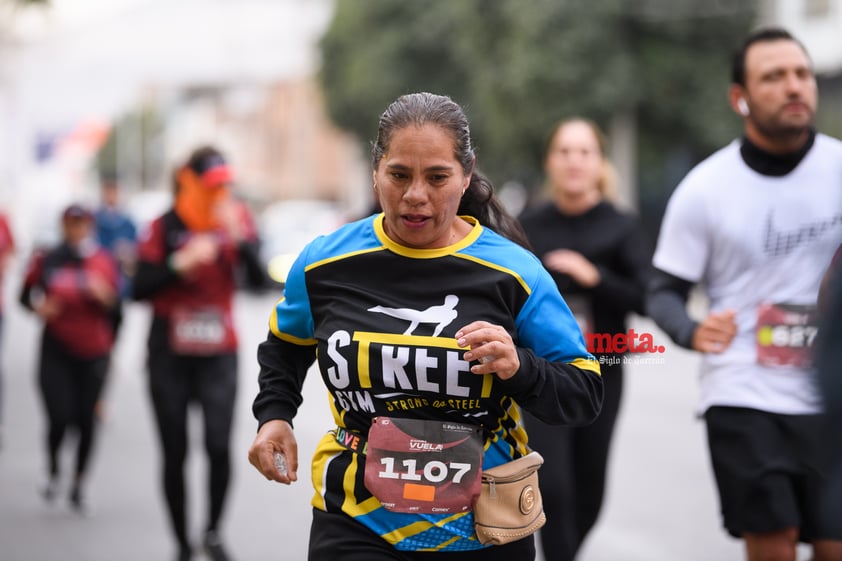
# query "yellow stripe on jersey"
(318, 469)
(496, 267)
(321, 262)
(590, 364)
(350, 505)
(441, 546)
(510, 431)
(273, 327)
(327, 450)
(487, 382)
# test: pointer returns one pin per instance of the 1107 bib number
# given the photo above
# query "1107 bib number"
(434, 471)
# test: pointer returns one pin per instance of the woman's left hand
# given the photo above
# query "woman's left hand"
(492, 347)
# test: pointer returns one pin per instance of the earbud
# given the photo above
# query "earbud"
(743, 107)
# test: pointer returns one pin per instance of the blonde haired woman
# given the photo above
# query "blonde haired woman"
(600, 259)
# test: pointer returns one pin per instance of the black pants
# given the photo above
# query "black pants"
(574, 471)
(176, 381)
(70, 387)
(338, 537)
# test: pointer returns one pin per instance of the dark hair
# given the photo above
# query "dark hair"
(204, 157)
(426, 108)
(197, 161)
(765, 34)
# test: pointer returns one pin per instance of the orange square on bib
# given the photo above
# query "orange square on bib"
(416, 492)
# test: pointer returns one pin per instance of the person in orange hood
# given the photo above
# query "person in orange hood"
(188, 264)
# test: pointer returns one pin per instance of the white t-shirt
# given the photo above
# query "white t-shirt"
(750, 240)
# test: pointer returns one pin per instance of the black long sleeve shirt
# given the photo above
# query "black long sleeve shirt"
(612, 240)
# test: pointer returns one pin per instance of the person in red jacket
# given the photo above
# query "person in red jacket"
(73, 288)
(188, 262)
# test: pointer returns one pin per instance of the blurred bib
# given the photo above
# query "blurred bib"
(198, 332)
(785, 334)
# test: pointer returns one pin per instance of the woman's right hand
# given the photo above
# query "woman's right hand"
(275, 436)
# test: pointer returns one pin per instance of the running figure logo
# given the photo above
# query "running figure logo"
(441, 316)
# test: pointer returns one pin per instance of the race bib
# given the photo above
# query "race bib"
(198, 332)
(421, 466)
(785, 334)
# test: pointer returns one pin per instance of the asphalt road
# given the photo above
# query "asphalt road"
(660, 503)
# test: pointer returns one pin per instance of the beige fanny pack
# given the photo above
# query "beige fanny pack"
(509, 507)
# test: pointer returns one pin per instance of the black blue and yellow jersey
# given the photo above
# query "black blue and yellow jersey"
(381, 319)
